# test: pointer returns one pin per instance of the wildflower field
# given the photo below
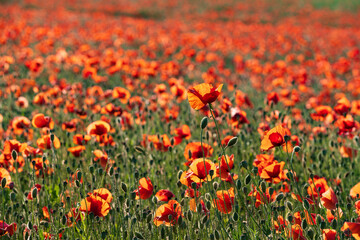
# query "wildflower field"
(156, 119)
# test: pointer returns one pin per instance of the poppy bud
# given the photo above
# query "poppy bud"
(77, 183)
(138, 235)
(100, 171)
(215, 185)
(232, 142)
(247, 179)
(212, 236)
(235, 217)
(14, 155)
(79, 175)
(189, 215)
(3, 182)
(244, 164)
(303, 224)
(193, 185)
(132, 195)
(306, 204)
(245, 190)
(179, 174)
(52, 137)
(12, 196)
(111, 171)
(279, 197)
(322, 224)
(289, 205)
(263, 186)
(139, 149)
(204, 123)
(310, 233)
(34, 193)
(297, 149)
(199, 207)
(172, 141)
(136, 174)
(290, 217)
(334, 224)
(179, 184)
(207, 135)
(217, 234)
(208, 205)
(124, 187)
(287, 138)
(238, 184)
(63, 220)
(255, 170)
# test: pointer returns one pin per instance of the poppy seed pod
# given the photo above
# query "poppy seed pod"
(204, 122)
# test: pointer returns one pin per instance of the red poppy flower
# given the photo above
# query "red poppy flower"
(145, 190)
(96, 205)
(164, 195)
(7, 229)
(42, 121)
(168, 213)
(225, 200)
(329, 199)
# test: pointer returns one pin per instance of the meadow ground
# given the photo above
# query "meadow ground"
(156, 119)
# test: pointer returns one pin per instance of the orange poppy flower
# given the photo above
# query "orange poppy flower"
(42, 121)
(7, 229)
(13, 145)
(31, 151)
(104, 193)
(145, 190)
(329, 199)
(181, 133)
(98, 128)
(330, 216)
(225, 167)
(196, 150)
(353, 227)
(329, 234)
(318, 187)
(77, 150)
(342, 106)
(164, 195)
(45, 142)
(274, 138)
(225, 200)
(173, 209)
(273, 172)
(122, 94)
(102, 158)
(19, 124)
(355, 191)
(203, 94)
(200, 168)
(193, 205)
(96, 205)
